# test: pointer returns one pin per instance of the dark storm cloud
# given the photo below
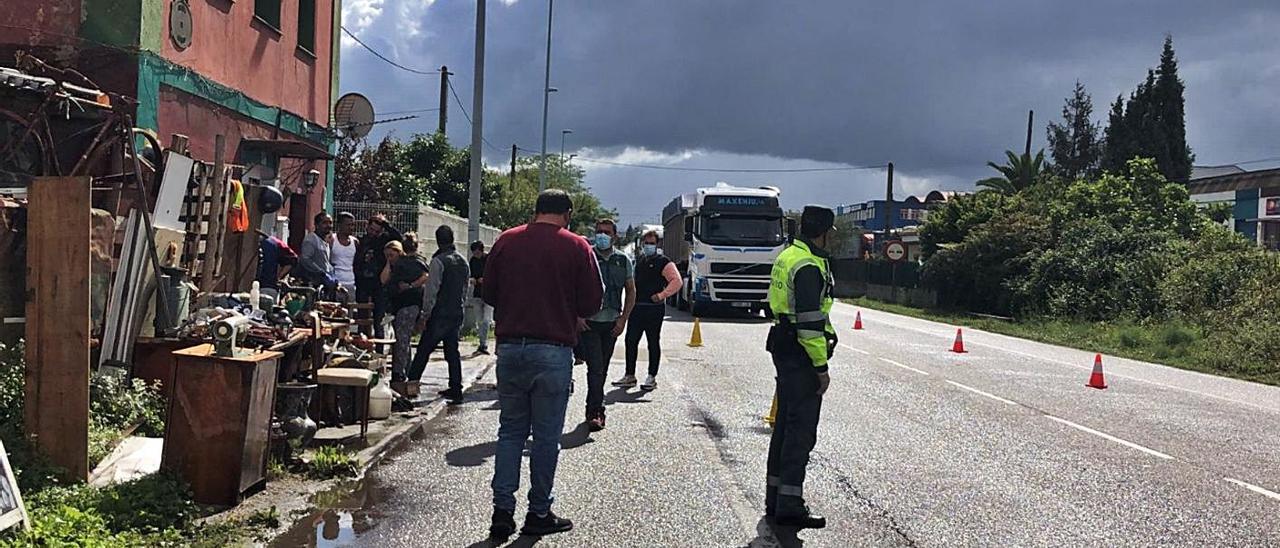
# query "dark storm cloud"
(936, 86)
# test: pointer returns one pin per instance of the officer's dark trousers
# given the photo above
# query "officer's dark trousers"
(795, 431)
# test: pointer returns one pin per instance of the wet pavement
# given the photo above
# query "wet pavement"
(918, 446)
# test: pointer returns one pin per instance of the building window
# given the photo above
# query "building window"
(268, 11)
(306, 25)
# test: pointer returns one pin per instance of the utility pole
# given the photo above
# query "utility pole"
(546, 102)
(888, 205)
(513, 166)
(1031, 116)
(444, 99)
(477, 132)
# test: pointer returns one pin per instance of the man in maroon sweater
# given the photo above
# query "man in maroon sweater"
(541, 281)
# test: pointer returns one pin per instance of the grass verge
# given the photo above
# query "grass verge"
(1168, 343)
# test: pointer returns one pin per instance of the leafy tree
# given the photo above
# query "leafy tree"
(949, 224)
(1074, 143)
(428, 170)
(1018, 174)
(514, 201)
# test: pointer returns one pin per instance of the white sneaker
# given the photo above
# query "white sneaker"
(626, 381)
(650, 383)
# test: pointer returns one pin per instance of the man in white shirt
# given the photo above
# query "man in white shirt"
(342, 253)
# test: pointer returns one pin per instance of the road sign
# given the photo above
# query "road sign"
(895, 251)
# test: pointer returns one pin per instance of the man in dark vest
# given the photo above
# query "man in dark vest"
(440, 320)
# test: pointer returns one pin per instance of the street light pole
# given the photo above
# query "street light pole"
(477, 132)
(546, 101)
(563, 132)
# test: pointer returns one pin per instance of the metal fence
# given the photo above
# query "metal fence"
(421, 219)
(402, 216)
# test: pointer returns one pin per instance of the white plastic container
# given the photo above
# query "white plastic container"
(380, 398)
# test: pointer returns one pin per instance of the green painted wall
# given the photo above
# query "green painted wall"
(154, 71)
(114, 22)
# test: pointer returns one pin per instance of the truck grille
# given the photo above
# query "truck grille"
(739, 296)
(747, 269)
(758, 286)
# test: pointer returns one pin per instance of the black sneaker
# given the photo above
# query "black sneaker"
(483, 351)
(454, 396)
(545, 525)
(503, 525)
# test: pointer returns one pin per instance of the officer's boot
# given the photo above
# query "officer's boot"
(792, 512)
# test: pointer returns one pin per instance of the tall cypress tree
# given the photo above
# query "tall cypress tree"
(1115, 148)
(1152, 124)
(1173, 157)
(1074, 143)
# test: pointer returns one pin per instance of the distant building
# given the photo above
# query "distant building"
(1254, 197)
(913, 211)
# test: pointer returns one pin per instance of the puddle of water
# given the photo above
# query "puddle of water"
(341, 517)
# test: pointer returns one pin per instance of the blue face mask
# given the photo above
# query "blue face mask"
(603, 241)
(649, 249)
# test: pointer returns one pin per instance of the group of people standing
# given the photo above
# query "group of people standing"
(420, 295)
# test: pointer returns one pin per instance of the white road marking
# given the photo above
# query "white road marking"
(981, 393)
(1106, 436)
(1254, 488)
(858, 350)
(907, 367)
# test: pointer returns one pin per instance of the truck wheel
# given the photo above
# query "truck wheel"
(699, 309)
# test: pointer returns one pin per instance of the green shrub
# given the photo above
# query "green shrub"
(332, 462)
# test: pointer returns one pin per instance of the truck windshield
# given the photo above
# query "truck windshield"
(740, 230)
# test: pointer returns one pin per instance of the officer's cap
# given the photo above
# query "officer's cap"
(816, 220)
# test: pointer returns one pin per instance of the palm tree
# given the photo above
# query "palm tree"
(1015, 176)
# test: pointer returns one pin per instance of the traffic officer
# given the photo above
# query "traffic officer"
(801, 341)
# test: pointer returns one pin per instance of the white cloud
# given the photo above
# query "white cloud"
(635, 155)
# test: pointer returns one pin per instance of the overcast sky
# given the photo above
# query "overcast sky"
(937, 87)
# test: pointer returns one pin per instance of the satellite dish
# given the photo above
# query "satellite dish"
(353, 115)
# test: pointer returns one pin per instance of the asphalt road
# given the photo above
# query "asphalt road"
(1001, 446)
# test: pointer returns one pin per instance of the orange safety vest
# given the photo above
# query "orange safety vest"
(237, 213)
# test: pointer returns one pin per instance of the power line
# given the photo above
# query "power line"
(384, 57)
(733, 170)
(392, 113)
(467, 115)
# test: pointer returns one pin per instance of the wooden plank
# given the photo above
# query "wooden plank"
(56, 413)
(218, 188)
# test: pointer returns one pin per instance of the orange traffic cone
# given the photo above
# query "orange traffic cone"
(1096, 380)
(857, 321)
(696, 340)
(958, 346)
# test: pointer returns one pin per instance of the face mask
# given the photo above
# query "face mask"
(603, 241)
(649, 249)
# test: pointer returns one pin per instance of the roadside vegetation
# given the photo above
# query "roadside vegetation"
(155, 510)
(1102, 249)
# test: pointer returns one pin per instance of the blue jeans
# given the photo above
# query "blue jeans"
(533, 390)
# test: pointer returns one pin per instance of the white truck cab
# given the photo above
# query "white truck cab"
(724, 240)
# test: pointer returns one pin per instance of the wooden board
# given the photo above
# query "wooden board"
(56, 413)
